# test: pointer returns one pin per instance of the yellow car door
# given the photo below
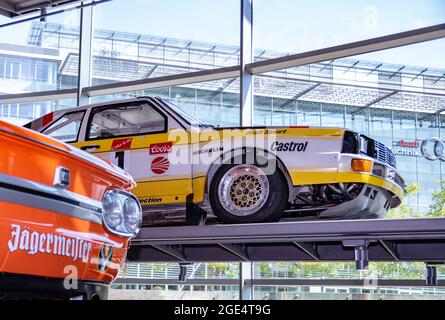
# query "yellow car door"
(138, 137)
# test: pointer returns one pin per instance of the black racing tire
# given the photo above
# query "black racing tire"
(270, 211)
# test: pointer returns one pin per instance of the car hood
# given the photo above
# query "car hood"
(49, 142)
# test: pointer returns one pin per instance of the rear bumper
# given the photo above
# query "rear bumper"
(372, 202)
(13, 286)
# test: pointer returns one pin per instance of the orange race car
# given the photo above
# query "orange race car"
(66, 218)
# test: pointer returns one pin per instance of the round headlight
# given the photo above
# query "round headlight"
(122, 213)
(132, 215)
(112, 209)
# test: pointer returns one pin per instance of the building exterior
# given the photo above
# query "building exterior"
(398, 105)
(220, 281)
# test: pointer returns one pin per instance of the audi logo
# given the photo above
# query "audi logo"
(433, 149)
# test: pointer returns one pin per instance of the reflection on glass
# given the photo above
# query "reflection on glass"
(147, 46)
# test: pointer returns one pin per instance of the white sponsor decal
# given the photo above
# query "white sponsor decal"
(34, 242)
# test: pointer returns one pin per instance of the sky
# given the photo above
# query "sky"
(280, 25)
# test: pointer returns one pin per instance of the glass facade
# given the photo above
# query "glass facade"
(391, 95)
(224, 282)
(150, 47)
(357, 94)
(306, 25)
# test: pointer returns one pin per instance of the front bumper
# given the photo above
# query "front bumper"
(13, 286)
(372, 202)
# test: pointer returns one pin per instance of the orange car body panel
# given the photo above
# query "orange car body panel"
(44, 242)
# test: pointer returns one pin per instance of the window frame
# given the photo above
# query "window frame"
(64, 115)
(98, 109)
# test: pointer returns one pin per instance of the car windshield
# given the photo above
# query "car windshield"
(186, 116)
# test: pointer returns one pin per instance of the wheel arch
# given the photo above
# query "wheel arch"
(227, 156)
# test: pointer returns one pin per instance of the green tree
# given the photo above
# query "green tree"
(265, 270)
(404, 210)
(222, 269)
(437, 208)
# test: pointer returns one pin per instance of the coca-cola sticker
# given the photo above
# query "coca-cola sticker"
(161, 148)
(160, 165)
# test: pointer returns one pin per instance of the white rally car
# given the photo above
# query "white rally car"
(240, 174)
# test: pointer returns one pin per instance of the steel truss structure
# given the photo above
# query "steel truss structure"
(15, 8)
(323, 75)
(353, 240)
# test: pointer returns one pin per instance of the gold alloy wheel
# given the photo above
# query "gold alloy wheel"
(243, 190)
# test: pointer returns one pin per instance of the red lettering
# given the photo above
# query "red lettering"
(161, 148)
(121, 144)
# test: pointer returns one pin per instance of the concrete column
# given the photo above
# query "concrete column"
(245, 273)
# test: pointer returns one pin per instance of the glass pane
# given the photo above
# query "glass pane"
(147, 45)
(333, 116)
(430, 173)
(381, 126)
(26, 111)
(290, 26)
(212, 102)
(404, 133)
(357, 119)
(66, 128)
(309, 113)
(39, 56)
(125, 120)
(22, 113)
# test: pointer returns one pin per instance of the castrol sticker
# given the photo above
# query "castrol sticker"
(121, 144)
(161, 148)
(160, 165)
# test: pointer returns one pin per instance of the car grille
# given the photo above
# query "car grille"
(383, 154)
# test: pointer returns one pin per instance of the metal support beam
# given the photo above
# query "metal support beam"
(39, 96)
(300, 94)
(327, 65)
(419, 74)
(361, 252)
(304, 92)
(85, 54)
(237, 250)
(222, 88)
(309, 249)
(438, 79)
(350, 49)
(174, 252)
(379, 99)
(166, 81)
(404, 240)
(148, 75)
(375, 69)
(8, 7)
(398, 71)
(391, 248)
(246, 57)
(351, 66)
(431, 275)
(182, 277)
